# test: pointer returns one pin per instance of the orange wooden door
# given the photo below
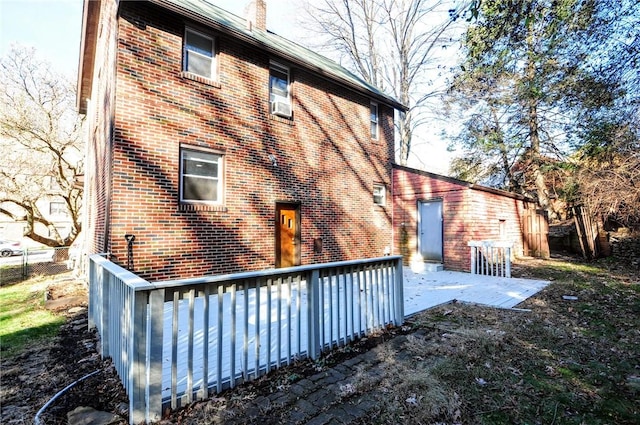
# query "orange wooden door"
(287, 235)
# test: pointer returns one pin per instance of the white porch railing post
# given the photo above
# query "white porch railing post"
(154, 362)
(474, 254)
(137, 342)
(508, 260)
(93, 299)
(314, 313)
(104, 284)
(399, 293)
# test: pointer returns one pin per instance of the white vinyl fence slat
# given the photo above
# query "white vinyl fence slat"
(491, 258)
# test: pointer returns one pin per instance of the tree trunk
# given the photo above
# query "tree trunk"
(405, 137)
(534, 137)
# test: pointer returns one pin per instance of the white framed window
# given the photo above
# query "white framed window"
(373, 109)
(199, 54)
(280, 90)
(57, 208)
(379, 194)
(200, 176)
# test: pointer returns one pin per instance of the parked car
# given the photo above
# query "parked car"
(8, 248)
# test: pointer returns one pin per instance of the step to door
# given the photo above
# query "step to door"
(433, 267)
(422, 267)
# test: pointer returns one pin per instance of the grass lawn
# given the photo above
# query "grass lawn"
(23, 318)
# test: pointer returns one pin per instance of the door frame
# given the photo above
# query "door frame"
(297, 238)
(419, 226)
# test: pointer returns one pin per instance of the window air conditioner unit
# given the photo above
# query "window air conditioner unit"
(282, 109)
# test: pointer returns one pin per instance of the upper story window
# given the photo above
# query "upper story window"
(199, 54)
(379, 194)
(374, 120)
(200, 177)
(279, 90)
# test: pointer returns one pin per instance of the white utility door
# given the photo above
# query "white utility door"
(430, 230)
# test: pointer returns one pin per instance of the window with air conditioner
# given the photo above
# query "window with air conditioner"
(279, 90)
(199, 54)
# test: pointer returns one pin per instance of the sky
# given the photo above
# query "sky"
(53, 28)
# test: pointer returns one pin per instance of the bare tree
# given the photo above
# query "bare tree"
(396, 45)
(40, 144)
(607, 177)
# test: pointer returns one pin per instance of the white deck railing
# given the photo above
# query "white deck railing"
(491, 258)
(174, 342)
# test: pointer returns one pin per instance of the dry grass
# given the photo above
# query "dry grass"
(566, 361)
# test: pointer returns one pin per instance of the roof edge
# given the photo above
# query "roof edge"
(381, 97)
(86, 60)
(467, 184)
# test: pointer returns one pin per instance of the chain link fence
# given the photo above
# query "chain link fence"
(35, 262)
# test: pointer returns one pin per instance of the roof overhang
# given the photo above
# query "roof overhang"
(88, 41)
(247, 38)
(465, 184)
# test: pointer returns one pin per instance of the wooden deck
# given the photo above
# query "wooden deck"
(425, 290)
(422, 291)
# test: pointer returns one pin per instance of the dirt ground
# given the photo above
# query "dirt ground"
(564, 358)
(32, 379)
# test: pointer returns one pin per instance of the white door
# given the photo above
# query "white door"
(430, 230)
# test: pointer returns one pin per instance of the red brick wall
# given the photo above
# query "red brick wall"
(326, 160)
(469, 213)
(98, 133)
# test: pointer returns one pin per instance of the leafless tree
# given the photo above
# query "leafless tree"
(40, 144)
(608, 174)
(396, 45)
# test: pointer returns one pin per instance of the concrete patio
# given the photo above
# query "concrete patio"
(427, 289)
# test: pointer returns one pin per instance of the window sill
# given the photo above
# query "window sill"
(202, 207)
(283, 120)
(195, 77)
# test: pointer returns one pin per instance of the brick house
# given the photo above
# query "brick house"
(435, 217)
(216, 146)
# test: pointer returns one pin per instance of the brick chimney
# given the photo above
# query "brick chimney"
(256, 13)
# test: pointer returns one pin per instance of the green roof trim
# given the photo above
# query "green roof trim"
(219, 19)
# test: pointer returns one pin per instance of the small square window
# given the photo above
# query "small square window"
(200, 177)
(199, 54)
(379, 194)
(280, 90)
(57, 208)
(374, 120)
